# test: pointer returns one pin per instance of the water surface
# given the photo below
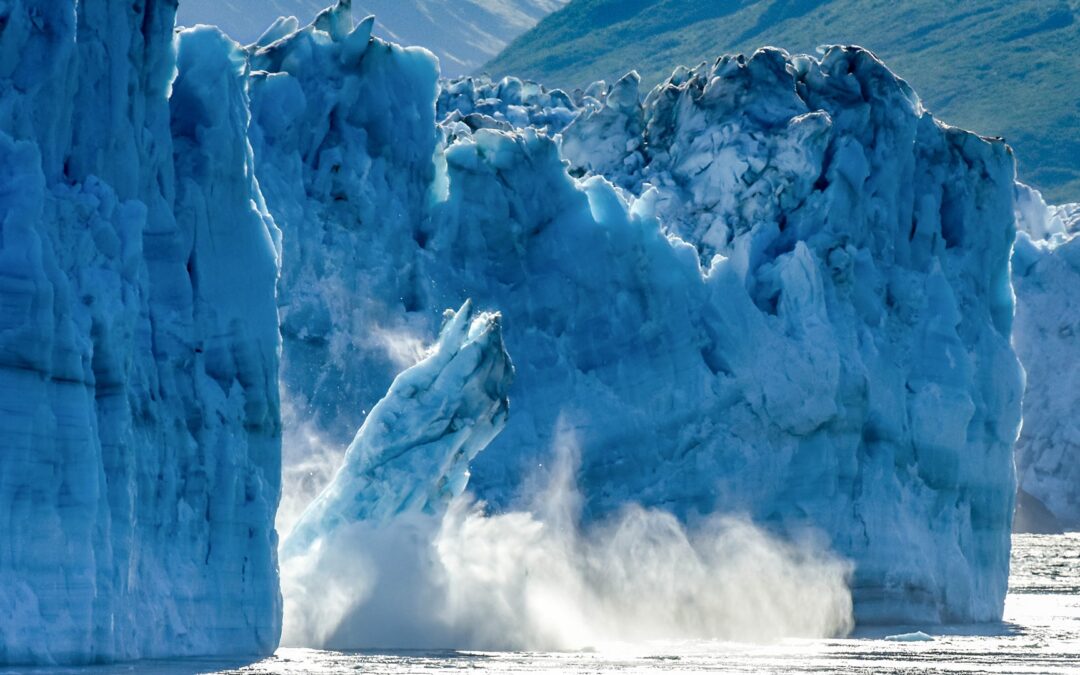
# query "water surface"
(1040, 634)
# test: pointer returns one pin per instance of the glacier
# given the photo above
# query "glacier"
(777, 286)
(773, 286)
(140, 433)
(605, 138)
(1046, 272)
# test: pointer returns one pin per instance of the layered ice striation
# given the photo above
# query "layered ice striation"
(140, 432)
(779, 287)
(413, 451)
(1046, 274)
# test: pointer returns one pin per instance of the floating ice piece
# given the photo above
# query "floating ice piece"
(917, 636)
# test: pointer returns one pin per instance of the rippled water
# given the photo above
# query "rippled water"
(1040, 634)
(1044, 563)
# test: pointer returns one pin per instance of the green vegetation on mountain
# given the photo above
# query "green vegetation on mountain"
(1006, 68)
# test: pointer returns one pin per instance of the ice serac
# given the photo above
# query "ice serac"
(464, 34)
(607, 139)
(344, 137)
(789, 295)
(140, 434)
(1046, 275)
(412, 454)
(508, 103)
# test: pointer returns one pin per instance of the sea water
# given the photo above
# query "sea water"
(1040, 633)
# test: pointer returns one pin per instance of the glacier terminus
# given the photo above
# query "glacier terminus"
(293, 304)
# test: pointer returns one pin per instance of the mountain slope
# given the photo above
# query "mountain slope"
(462, 33)
(999, 67)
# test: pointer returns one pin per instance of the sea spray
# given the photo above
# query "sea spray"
(542, 579)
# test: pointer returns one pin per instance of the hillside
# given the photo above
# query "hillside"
(462, 33)
(1000, 67)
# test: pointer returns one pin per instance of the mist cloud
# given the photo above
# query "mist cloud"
(538, 579)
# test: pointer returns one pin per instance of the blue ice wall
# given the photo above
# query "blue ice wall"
(140, 433)
(784, 290)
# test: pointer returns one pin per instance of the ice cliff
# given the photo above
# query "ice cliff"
(1046, 274)
(780, 287)
(140, 433)
(775, 287)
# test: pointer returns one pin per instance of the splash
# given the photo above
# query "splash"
(309, 462)
(540, 579)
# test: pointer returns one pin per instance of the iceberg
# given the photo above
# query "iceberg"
(780, 289)
(1046, 272)
(140, 430)
(917, 636)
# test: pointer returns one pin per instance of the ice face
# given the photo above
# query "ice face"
(605, 138)
(138, 343)
(479, 102)
(787, 295)
(1046, 271)
(791, 297)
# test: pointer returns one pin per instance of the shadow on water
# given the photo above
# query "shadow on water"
(436, 654)
(188, 666)
(994, 629)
